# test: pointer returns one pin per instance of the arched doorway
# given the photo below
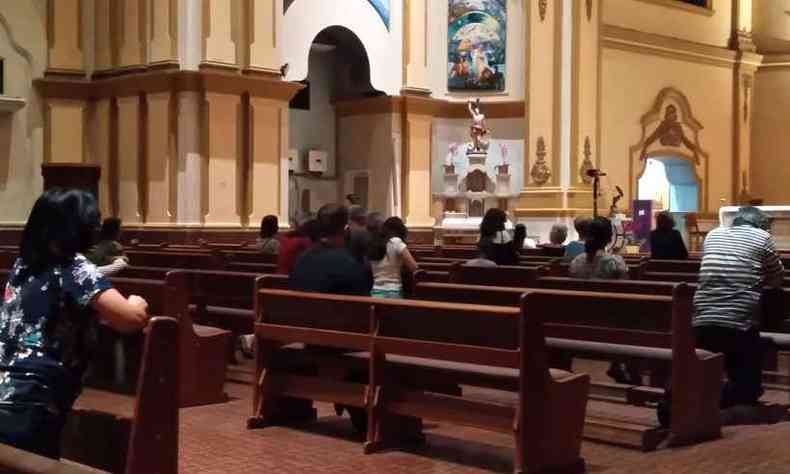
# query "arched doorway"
(338, 70)
(671, 183)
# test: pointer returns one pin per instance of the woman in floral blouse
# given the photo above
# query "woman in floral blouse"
(50, 306)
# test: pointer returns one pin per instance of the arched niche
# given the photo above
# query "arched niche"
(305, 19)
(669, 129)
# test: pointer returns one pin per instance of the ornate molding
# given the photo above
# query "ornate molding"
(589, 10)
(542, 7)
(540, 172)
(587, 163)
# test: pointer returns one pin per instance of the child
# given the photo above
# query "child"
(388, 256)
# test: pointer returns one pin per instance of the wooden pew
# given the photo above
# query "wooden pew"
(494, 276)
(175, 259)
(204, 349)
(16, 461)
(144, 427)
(485, 343)
(616, 326)
(252, 267)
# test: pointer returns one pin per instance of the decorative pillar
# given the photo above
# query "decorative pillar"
(64, 140)
(223, 184)
(584, 121)
(190, 206)
(65, 37)
(262, 27)
(128, 153)
(131, 32)
(541, 161)
(269, 142)
(163, 49)
(103, 34)
(219, 41)
(161, 152)
(415, 48)
(416, 162)
(103, 153)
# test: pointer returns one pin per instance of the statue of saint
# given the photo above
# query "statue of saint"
(670, 133)
(478, 129)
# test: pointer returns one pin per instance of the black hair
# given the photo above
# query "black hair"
(375, 220)
(110, 229)
(751, 216)
(332, 220)
(269, 226)
(519, 235)
(392, 227)
(599, 236)
(357, 214)
(493, 222)
(665, 222)
(62, 223)
(582, 226)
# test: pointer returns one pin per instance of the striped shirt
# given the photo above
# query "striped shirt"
(738, 263)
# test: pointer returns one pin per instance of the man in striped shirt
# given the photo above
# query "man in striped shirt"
(739, 263)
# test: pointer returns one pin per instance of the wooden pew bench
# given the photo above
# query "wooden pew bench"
(395, 338)
(609, 326)
(502, 275)
(132, 435)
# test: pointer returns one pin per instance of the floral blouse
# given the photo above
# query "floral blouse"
(45, 323)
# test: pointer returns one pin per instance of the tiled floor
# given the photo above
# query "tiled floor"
(214, 439)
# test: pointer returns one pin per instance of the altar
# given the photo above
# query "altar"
(780, 222)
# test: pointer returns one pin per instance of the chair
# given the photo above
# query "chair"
(696, 236)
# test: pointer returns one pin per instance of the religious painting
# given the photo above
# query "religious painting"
(476, 44)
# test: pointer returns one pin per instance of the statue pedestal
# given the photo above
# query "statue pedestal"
(450, 183)
(476, 158)
(502, 183)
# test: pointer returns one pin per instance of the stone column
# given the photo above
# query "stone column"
(160, 155)
(415, 48)
(223, 185)
(163, 49)
(416, 162)
(269, 155)
(262, 27)
(129, 165)
(104, 33)
(541, 163)
(65, 54)
(190, 207)
(131, 33)
(584, 120)
(219, 33)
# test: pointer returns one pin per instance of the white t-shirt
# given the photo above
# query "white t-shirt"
(386, 272)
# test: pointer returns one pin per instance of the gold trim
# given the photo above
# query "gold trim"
(551, 212)
(707, 10)
(615, 37)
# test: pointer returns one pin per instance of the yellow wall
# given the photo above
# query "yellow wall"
(630, 84)
(771, 136)
(23, 45)
(654, 16)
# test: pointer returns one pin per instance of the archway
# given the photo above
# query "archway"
(338, 70)
(671, 183)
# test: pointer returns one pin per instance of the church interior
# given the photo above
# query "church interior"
(193, 120)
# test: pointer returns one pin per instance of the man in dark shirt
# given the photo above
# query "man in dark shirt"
(329, 267)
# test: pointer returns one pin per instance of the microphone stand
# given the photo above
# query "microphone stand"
(596, 184)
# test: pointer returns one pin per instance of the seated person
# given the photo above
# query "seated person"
(557, 237)
(267, 241)
(666, 242)
(389, 257)
(328, 266)
(495, 241)
(53, 297)
(596, 262)
(582, 226)
(294, 243)
(108, 254)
